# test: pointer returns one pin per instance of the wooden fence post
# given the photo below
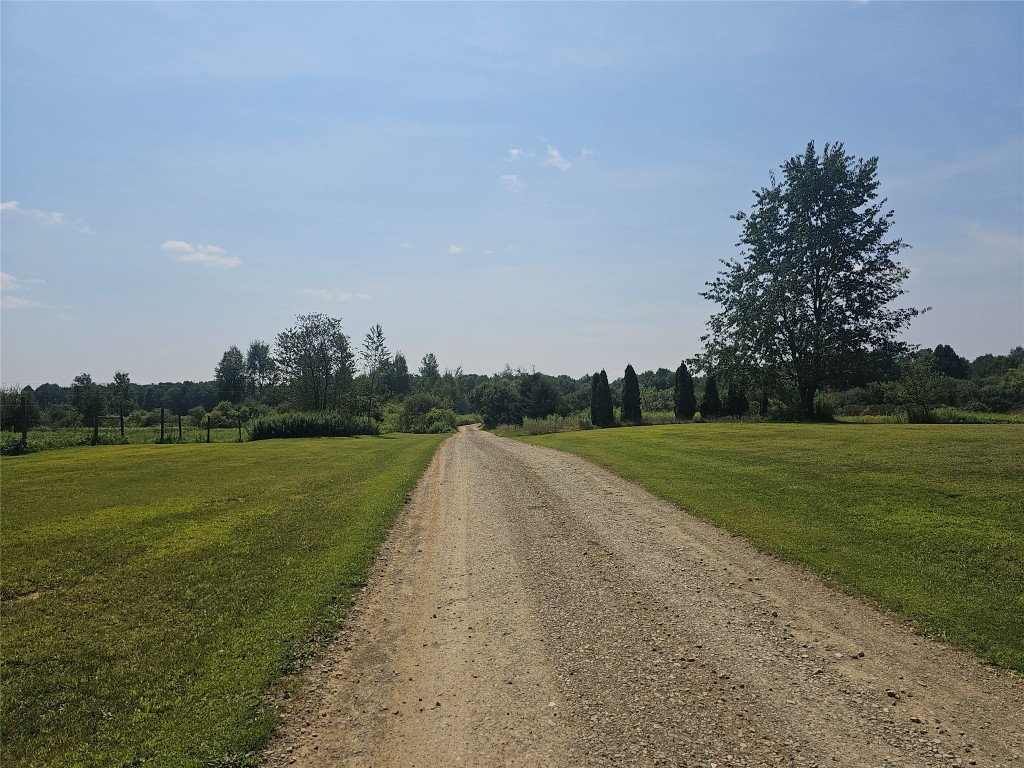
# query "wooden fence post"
(161, 423)
(239, 430)
(24, 422)
(207, 428)
(179, 428)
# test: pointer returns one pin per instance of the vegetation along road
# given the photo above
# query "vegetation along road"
(531, 608)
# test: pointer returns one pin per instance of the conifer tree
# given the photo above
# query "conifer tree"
(606, 410)
(682, 396)
(595, 400)
(711, 404)
(736, 402)
(631, 397)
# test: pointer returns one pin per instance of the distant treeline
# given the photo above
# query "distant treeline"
(391, 398)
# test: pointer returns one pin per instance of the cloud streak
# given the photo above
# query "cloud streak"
(47, 217)
(511, 181)
(561, 162)
(331, 296)
(207, 255)
(8, 285)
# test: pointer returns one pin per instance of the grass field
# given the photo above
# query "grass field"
(153, 594)
(924, 519)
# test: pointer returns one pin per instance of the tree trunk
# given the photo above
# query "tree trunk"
(807, 393)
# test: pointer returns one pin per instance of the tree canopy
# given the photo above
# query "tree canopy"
(810, 296)
(316, 361)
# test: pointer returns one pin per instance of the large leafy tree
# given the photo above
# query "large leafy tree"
(810, 297)
(230, 375)
(315, 360)
(631, 397)
(260, 368)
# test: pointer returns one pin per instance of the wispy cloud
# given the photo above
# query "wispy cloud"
(454, 250)
(322, 295)
(8, 285)
(511, 181)
(406, 245)
(514, 154)
(561, 162)
(47, 217)
(207, 255)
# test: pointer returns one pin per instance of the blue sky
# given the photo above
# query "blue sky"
(543, 185)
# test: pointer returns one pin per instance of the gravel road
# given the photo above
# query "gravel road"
(532, 609)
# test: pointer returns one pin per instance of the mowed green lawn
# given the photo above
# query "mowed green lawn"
(153, 594)
(925, 519)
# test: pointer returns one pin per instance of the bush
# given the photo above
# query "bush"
(62, 417)
(439, 420)
(465, 419)
(824, 407)
(305, 424)
(424, 413)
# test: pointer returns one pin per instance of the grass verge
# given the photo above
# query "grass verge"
(924, 519)
(153, 594)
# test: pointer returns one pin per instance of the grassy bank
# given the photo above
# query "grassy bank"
(153, 594)
(925, 519)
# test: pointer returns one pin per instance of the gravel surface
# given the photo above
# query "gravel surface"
(532, 609)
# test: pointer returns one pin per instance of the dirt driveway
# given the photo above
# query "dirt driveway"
(532, 609)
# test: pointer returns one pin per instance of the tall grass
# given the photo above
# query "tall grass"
(331, 424)
(52, 439)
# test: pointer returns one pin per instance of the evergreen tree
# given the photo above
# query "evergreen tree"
(682, 396)
(631, 397)
(606, 410)
(736, 402)
(711, 405)
(595, 400)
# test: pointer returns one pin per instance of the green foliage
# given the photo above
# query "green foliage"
(429, 373)
(631, 412)
(395, 375)
(539, 396)
(920, 389)
(465, 419)
(315, 361)
(947, 361)
(810, 298)
(174, 585)
(711, 404)
(683, 398)
(260, 368)
(498, 402)
(736, 402)
(439, 421)
(413, 417)
(122, 395)
(924, 519)
(230, 375)
(309, 424)
(602, 409)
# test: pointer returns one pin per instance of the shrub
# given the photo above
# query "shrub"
(439, 420)
(307, 424)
